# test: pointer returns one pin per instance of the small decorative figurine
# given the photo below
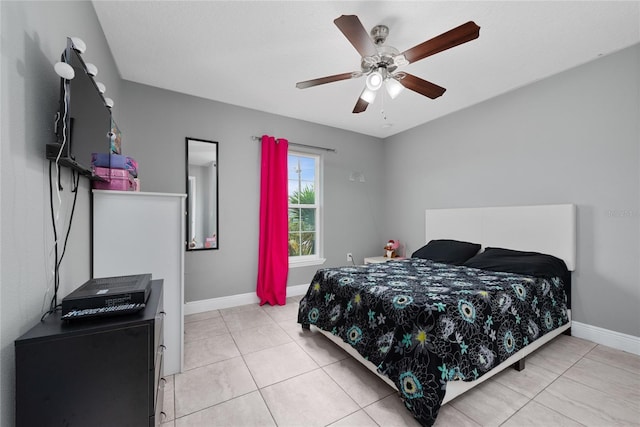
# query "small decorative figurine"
(390, 249)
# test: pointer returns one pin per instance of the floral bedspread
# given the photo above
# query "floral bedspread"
(423, 323)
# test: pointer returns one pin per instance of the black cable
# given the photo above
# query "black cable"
(54, 299)
(48, 312)
(76, 182)
(58, 261)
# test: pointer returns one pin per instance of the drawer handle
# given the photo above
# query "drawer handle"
(162, 347)
(163, 313)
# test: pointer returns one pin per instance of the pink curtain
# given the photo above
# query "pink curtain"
(273, 253)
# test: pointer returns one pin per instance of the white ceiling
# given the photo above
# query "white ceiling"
(252, 53)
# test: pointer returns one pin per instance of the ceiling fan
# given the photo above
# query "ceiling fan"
(380, 63)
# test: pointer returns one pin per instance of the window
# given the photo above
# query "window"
(304, 209)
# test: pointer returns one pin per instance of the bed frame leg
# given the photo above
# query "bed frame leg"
(306, 327)
(519, 365)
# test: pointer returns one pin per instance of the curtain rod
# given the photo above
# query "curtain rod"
(333, 150)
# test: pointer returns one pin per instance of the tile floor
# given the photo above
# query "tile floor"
(251, 366)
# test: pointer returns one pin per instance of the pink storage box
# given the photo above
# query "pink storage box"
(118, 179)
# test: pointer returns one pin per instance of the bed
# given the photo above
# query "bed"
(437, 325)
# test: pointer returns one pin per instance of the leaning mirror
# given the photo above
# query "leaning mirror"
(202, 195)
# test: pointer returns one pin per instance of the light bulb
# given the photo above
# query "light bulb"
(393, 87)
(368, 95)
(101, 87)
(374, 80)
(92, 70)
(108, 102)
(78, 44)
(64, 70)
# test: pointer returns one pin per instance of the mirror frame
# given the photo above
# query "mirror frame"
(217, 210)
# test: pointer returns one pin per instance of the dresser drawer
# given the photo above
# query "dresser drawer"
(157, 377)
(87, 372)
(159, 415)
(159, 346)
(158, 331)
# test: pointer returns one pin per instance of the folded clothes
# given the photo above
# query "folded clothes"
(115, 179)
(115, 161)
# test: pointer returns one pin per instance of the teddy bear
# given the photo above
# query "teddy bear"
(390, 249)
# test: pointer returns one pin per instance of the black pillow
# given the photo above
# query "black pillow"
(447, 251)
(519, 262)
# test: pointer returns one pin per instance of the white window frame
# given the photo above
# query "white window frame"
(317, 258)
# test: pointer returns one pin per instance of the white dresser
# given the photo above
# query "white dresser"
(137, 233)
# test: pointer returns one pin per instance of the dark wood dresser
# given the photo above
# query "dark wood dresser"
(93, 372)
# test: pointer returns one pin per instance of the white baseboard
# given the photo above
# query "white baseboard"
(297, 290)
(613, 339)
(201, 306)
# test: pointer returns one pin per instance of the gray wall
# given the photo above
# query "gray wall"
(155, 123)
(571, 138)
(33, 37)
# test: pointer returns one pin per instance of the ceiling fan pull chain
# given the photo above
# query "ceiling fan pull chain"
(384, 115)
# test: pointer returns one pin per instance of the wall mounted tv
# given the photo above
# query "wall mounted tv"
(84, 122)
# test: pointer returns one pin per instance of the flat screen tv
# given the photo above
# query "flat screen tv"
(84, 122)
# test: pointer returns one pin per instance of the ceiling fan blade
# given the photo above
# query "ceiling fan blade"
(457, 36)
(353, 30)
(423, 87)
(361, 106)
(328, 79)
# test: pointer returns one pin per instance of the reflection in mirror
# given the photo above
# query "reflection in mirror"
(202, 194)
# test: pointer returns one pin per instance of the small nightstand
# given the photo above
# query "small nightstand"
(380, 259)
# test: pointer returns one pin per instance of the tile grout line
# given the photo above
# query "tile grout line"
(593, 388)
(545, 388)
(235, 397)
(175, 417)
(214, 405)
(258, 388)
(462, 413)
(597, 360)
(548, 385)
(275, 422)
(361, 408)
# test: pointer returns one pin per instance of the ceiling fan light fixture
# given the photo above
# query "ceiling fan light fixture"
(368, 95)
(374, 81)
(78, 44)
(380, 62)
(393, 87)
